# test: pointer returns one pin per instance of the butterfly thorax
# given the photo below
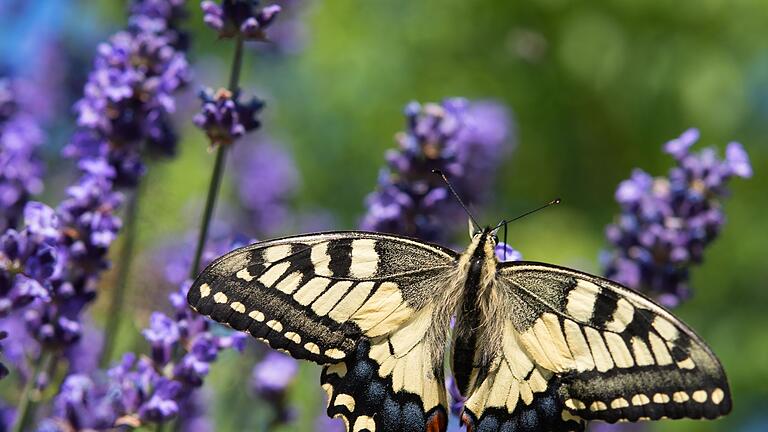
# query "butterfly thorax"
(476, 333)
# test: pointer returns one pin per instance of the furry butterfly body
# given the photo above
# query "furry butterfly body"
(534, 347)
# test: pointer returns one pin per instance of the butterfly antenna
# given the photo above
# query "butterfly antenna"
(456, 195)
(551, 203)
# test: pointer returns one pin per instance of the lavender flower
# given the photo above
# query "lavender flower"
(273, 374)
(128, 98)
(462, 139)
(243, 18)
(266, 179)
(161, 16)
(505, 252)
(52, 266)
(224, 118)
(20, 166)
(141, 390)
(270, 380)
(666, 222)
(29, 259)
(85, 225)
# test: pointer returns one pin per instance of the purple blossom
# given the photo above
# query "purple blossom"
(666, 222)
(54, 263)
(160, 16)
(266, 179)
(20, 166)
(272, 375)
(128, 97)
(162, 334)
(243, 18)
(141, 390)
(505, 252)
(464, 140)
(162, 405)
(29, 259)
(224, 118)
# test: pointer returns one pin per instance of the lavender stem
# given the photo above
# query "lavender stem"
(218, 168)
(26, 408)
(123, 271)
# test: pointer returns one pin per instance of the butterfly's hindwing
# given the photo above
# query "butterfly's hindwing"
(389, 383)
(620, 356)
(515, 393)
(315, 296)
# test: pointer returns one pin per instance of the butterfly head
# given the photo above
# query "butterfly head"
(476, 231)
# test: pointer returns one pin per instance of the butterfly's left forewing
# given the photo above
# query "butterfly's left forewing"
(359, 303)
(606, 352)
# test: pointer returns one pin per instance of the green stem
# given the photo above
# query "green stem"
(123, 272)
(26, 408)
(218, 168)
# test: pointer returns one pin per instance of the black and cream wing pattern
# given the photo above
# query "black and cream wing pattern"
(358, 303)
(594, 350)
(535, 347)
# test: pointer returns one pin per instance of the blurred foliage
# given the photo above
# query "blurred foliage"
(596, 88)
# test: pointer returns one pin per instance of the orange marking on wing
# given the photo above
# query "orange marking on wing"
(438, 422)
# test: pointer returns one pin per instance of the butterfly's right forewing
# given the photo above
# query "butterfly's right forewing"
(359, 303)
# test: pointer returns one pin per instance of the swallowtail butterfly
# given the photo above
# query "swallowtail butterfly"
(535, 347)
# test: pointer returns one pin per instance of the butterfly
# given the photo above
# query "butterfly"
(534, 346)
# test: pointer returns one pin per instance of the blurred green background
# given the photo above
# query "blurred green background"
(596, 88)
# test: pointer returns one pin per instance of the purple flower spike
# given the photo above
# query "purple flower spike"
(20, 166)
(666, 222)
(224, 118)
(128, 97)
(241, 18)
(462, 139)
(142, 390)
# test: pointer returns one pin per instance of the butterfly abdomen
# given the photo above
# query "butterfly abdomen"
(467, 323)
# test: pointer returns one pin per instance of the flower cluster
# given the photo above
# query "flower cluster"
(20, 167)
(147, 389)
(462, 139)
(29, 259)
(160, 16)
(87, 226)
(128, 97)
(224, 118)
(666, 222)
(242, 18)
